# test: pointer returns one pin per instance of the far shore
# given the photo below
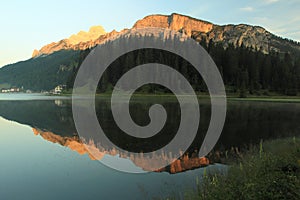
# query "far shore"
(230, 97)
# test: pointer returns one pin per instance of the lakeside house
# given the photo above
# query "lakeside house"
(10, 90)
(58, 89)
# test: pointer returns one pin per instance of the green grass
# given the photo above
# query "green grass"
(271, 170)
(268, 99)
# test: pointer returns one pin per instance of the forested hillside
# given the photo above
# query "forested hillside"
(244, 70)
(41, 73)
(251, 59)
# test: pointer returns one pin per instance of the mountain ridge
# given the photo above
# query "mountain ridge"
(72, 42)
(253, 36)
(250, 58)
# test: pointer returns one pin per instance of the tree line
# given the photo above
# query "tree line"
(248, 70)
(244, 70)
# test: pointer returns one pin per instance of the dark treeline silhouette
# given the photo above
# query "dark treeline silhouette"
(244, 70)
(248, 70)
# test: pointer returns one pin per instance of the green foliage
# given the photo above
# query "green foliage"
(72, 75)
(247, 70)
(41, 73)
(244, 70)
(270, 171)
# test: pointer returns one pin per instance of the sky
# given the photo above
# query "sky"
(29, 25)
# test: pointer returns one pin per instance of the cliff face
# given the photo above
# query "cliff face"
(175, 22)
(80, 45)
(250, 36)
(82, 36)
(52, 47)
(80, 41)
(254, 37)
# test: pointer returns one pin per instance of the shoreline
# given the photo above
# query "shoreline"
(269, 170)
(229, 97)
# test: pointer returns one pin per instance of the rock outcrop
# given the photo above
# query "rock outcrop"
(254, 37)
(175, 22)
(80, 41)
(82, 36)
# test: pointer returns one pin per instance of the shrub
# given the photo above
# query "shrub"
(269, 171)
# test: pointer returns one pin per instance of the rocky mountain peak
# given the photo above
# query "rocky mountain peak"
(175, 22)
(35, 53)
(75, 41)
(254, 37)
(82, 36)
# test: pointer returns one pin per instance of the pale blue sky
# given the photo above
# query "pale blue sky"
(29, 25)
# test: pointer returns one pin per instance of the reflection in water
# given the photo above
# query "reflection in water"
(38, 169)
(73, 143)
(247, 123)
(97, 153)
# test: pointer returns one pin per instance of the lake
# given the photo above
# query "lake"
(42, 156)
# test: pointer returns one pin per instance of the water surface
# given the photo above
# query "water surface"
(42, 157)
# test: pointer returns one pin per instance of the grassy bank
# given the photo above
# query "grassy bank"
(269, 171)
(287, 99)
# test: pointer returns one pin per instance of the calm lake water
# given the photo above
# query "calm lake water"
(42, 157)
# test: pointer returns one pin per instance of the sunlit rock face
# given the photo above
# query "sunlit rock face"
(254, 37)
(82, 36)
(175, 22)
(76, 41)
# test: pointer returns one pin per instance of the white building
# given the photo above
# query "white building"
(13, 89)
(58, 89)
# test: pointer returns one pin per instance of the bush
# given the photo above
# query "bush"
(270, 171)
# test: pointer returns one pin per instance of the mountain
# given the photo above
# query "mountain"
(74, 42)
(175, 22)
(41, 73)
(254, 37)
(248, 57)
(250, 36)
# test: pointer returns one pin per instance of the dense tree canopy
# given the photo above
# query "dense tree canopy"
(41, 73)
(244, 70)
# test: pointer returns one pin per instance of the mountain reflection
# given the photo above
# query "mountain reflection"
(73, 143)
(247, 123)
